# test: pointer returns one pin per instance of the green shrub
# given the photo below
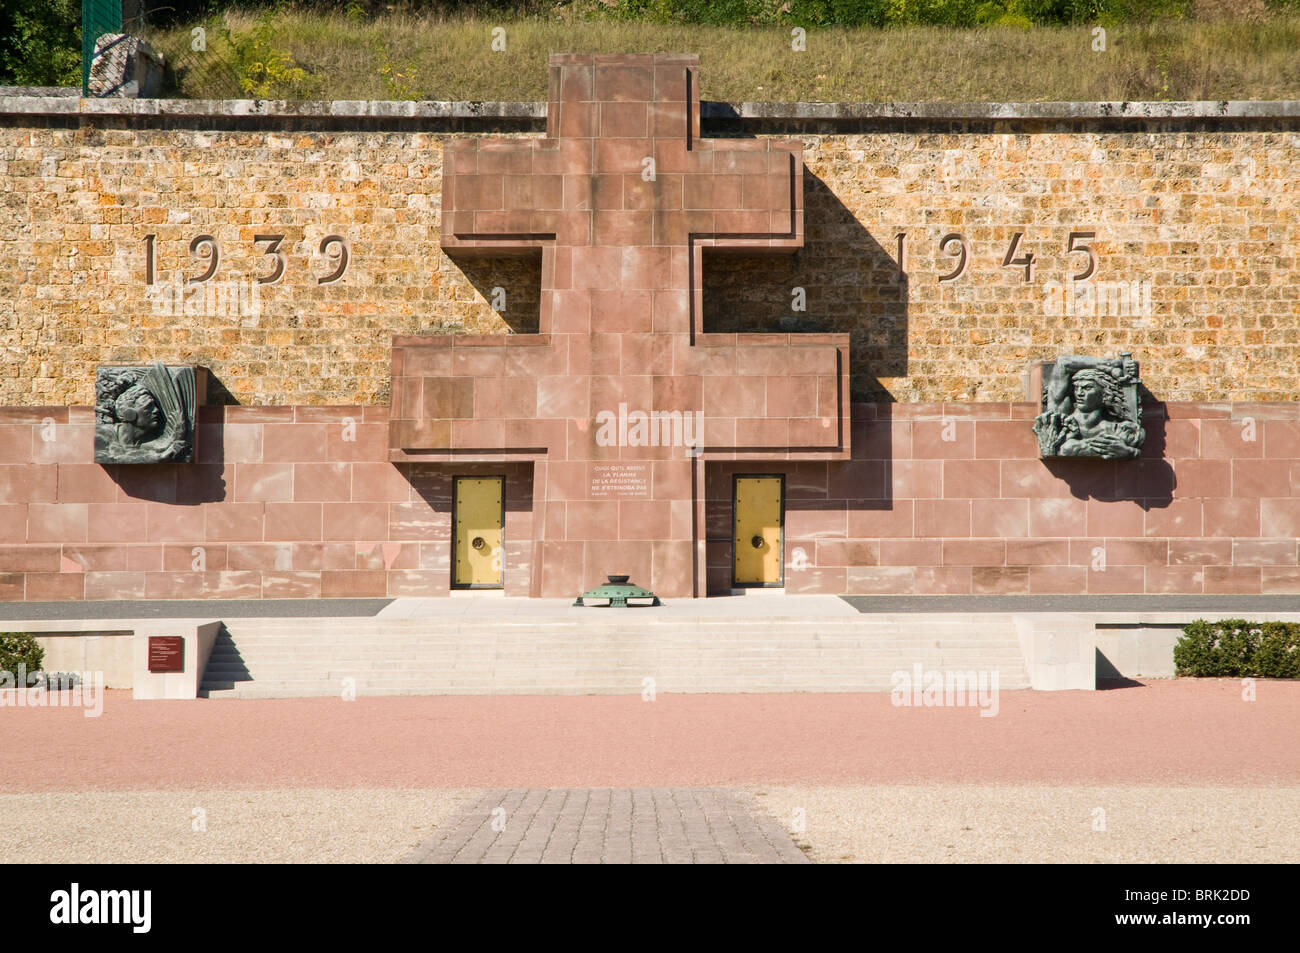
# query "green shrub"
(265, 70)
(20, 648)
(40, 43)
(1235, 648)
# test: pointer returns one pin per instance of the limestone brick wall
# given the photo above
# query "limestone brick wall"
(1196, 228)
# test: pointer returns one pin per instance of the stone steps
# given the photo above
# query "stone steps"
(295, 658)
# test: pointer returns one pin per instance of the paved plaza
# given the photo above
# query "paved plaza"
(611, 826)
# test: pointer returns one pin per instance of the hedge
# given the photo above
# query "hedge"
(1235, 648)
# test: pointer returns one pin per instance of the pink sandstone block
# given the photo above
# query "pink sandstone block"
(56, 522)
(880, 580)
(1233, 517)
(1137, 552)
(897, 520)
(1230, 439)
(1273, 579)
(54, 587)
(1203, 477)
(1031, 478)
(974, 552)
(232, 585)
(1281, 439)
(1058, 517)
(294, 443)
(116, 522)
(322, 482)
(257, 556)
(1259, 478)
(380, 482)
(911, 552)
(1038, 552)
(233, 522)
(292, 521)
(27, 483)
(141, 559)
(946, 439)
(263, 482)
(1175, 580)
(1182, 439)
(917, 479)
(1264, 552)
(1004, 440)
(13, 522)
(971, 479)
(315, 557)
(30, 558)
(1200, 552)
(850, 552)
(999, 580)
(85, 483)
(168, 522)
(173, 585)
(1117, 518)
(187, 557)
(1244, 580)
(939, 518)
(1003, 518)
(353, 585)
(115, 585)
(1066, 580)
(356, 441)
(290, 585)
(816, 523)
(1115, 579)
(1179, 518)
(68, 443)
(942, 580)
(816, 579)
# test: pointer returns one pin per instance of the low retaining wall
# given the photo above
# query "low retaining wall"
(938, 498)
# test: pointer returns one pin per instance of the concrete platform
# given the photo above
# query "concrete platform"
(762, 642)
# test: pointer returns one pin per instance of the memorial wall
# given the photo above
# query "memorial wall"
(1193, 226)
(944, 258)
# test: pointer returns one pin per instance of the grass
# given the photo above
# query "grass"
(423, 57)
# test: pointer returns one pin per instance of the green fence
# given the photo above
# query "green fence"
(97, 18)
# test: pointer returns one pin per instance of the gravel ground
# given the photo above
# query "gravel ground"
(222, 827)
(1163, 734)
(1040, 824)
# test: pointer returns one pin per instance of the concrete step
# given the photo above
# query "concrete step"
(266, 658)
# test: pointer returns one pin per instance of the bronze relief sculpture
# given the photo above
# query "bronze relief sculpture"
(144, 414)
(1090, 408)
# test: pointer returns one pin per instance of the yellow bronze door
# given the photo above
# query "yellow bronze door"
(759, 524)
(478, 512)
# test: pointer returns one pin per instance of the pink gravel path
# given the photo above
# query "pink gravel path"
(1166, 732)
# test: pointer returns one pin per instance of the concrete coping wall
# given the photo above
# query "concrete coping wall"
(1085, 112)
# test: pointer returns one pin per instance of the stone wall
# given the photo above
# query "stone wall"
(299, 502)
(1206, 210)
(282, 502)
(1213, 506)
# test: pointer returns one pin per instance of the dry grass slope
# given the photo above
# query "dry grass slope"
(406, 57)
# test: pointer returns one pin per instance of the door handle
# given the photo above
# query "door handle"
(477, 542)
(756, 542)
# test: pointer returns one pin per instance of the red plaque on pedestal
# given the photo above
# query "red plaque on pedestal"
(166, 653)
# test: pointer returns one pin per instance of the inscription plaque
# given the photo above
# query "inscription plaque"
(166, 653)
(620, 481)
